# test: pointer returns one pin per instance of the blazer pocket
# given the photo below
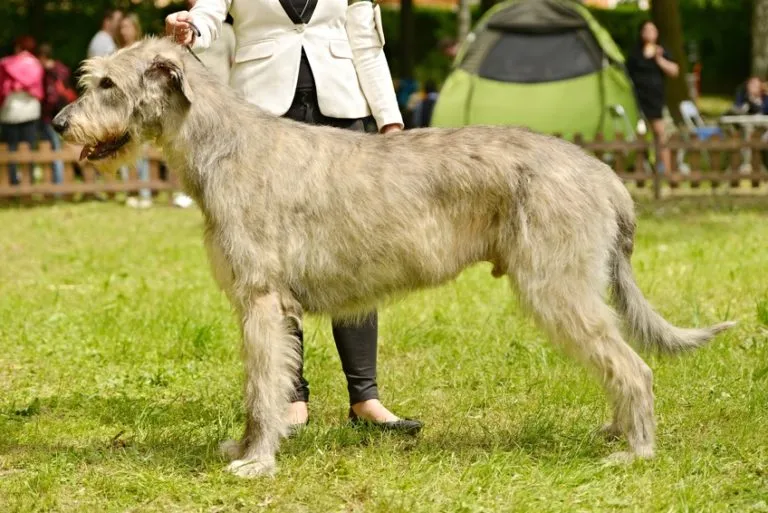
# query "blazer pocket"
(341, 49)
(253, 51)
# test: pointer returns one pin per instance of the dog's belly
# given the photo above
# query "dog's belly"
(350, 294)
(352, 276)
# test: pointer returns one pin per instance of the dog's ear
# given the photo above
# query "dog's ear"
(164, 68)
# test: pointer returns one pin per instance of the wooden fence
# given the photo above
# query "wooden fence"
(730, 161)
(80, 179)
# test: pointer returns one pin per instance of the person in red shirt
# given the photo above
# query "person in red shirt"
(21, 92)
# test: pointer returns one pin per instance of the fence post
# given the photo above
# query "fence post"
(736, 158)
(756, 145)
(715, 159)
(673, 146)
(619, 155)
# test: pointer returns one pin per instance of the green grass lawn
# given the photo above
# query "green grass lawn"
(120, 373)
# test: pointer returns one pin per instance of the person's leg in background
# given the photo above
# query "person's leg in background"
(16, 134)
(144, 199)
(29, 135)
(50, 135)
(12, 135)
(662, 152)
(142, 165)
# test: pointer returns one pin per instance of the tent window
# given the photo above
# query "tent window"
(531, 57)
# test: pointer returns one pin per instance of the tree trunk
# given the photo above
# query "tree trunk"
(666, 16)
(406, 38)
(465, 20)
(760, 38)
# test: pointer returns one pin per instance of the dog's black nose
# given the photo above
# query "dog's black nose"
(60, 124)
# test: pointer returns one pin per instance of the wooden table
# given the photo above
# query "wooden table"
(748, 122)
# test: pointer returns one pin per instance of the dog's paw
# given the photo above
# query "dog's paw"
(254, 467)
(610, 431)
(231, 449)
(626, 457)
(619, 458)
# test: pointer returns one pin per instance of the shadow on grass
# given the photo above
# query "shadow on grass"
(180, 433)
(185, 436)
(546, 436)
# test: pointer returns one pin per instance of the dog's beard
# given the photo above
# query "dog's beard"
(125, 155)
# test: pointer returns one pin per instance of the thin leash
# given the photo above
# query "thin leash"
(189, 46)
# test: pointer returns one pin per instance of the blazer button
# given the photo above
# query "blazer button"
(300, 28)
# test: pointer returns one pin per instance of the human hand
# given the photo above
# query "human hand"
(177, 27)
(392, 127)
(659, 52)
(649, 50)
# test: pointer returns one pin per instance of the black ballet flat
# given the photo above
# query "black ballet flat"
(405, 426)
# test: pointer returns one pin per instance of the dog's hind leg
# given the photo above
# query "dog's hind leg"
(568, 305)
(270, 356)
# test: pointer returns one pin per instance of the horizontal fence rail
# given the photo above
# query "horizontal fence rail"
(35, 169)
(733, 160)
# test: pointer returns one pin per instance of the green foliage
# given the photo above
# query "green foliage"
(69, 26)
(432, 27)
(721, 31)
(721, 34)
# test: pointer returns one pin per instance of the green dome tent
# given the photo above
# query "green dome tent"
(544, 64)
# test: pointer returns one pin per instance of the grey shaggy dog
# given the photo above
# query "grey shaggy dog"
(306, 219)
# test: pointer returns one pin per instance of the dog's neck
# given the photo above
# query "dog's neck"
(198, 136)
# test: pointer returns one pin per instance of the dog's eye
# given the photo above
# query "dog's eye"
(106, 83)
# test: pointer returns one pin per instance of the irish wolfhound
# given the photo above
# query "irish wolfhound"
(326, 221)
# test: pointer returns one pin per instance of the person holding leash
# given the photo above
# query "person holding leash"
(319, 62)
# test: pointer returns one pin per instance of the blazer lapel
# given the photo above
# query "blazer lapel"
(309, 10)
(291, 12)
(294, 15)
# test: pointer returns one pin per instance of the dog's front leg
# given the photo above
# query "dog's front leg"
(270, 357)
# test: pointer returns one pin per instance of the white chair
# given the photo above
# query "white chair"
(695, 125)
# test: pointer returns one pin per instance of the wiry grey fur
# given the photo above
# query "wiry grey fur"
(310, 219)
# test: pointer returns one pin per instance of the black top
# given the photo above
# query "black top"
(648, 79)
(300, 12)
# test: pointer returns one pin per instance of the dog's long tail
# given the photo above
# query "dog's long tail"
(647, 327)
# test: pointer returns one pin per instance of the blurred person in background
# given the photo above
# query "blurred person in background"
(752, 99)
(21, 93)
(130, 32)
(648, 65)
(105, 40)
(58, 94)
(406, 92)
(422, 112)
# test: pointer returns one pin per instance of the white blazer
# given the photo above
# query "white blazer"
(344, 46)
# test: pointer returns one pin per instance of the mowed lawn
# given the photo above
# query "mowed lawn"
(120, 373)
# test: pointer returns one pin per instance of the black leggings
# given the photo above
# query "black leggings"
(356, 344)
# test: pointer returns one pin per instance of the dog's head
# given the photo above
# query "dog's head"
(127, 97)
